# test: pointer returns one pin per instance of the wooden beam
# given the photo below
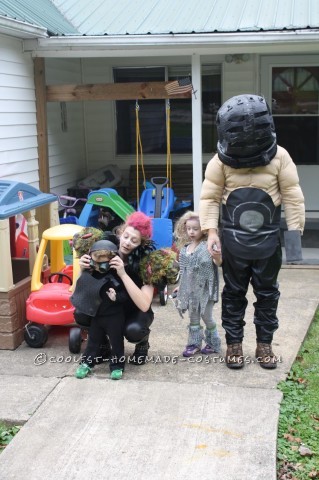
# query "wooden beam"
(42, 133)
(110, 91)
(42, 130)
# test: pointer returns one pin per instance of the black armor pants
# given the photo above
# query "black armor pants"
(262, 274)
(111, 326)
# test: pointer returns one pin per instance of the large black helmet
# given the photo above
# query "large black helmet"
(246, 132)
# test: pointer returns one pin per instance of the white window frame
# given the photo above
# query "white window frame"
(267, 62)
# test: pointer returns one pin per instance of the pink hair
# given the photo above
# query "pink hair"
(140, 222)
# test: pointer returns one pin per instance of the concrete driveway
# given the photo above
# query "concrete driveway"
(172, 418)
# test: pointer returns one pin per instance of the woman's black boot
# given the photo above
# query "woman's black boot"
(140, 353)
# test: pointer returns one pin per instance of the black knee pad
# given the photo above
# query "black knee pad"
(135, 333)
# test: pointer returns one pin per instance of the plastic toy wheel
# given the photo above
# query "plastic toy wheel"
(35, 335)
(75, 340)
(163, 294)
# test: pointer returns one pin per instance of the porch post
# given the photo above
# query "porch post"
(42, 129)
(197, 129)
(42, 132)
(33, 236)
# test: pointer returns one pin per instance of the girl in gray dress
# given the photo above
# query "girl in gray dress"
(199, 286)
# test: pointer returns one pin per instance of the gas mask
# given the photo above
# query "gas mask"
(104, 250)
(102, 267)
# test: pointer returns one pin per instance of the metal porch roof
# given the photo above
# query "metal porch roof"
(41, 13)
(156, 17)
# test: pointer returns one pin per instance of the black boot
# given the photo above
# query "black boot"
(140, 353)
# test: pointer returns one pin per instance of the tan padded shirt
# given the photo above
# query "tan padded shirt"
(279, 179)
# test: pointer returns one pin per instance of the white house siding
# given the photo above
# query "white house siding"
(99, 118)
(239, 78)
(18, 132)
(67, 157)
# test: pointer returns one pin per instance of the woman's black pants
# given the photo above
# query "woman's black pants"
(137, 325)
(262, 274)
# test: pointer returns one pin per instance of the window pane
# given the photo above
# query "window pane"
(181, 125)
(300, 137)
(181, 117)
(211, 93)
(295, 109)
(152, 123)
(295, 90)
(152, 114)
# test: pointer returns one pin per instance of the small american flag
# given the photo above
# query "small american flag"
(176, 87)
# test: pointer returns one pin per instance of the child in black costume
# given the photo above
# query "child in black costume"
(251, 177)
(98, 299)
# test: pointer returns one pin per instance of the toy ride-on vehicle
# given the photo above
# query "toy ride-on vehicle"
(52, 285)
(157, 203)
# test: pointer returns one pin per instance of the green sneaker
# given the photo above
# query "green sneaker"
(83, 370)
(116, 374)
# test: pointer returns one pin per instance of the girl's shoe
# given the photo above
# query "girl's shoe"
(190, 350)
(83, 370)
(207, 350)
(116, 374)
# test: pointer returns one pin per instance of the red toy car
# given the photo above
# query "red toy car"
(51, 285)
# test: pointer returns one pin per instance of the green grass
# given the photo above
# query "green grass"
(298, 429)
(7, 432)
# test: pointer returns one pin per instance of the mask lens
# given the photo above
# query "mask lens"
(104, 267)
